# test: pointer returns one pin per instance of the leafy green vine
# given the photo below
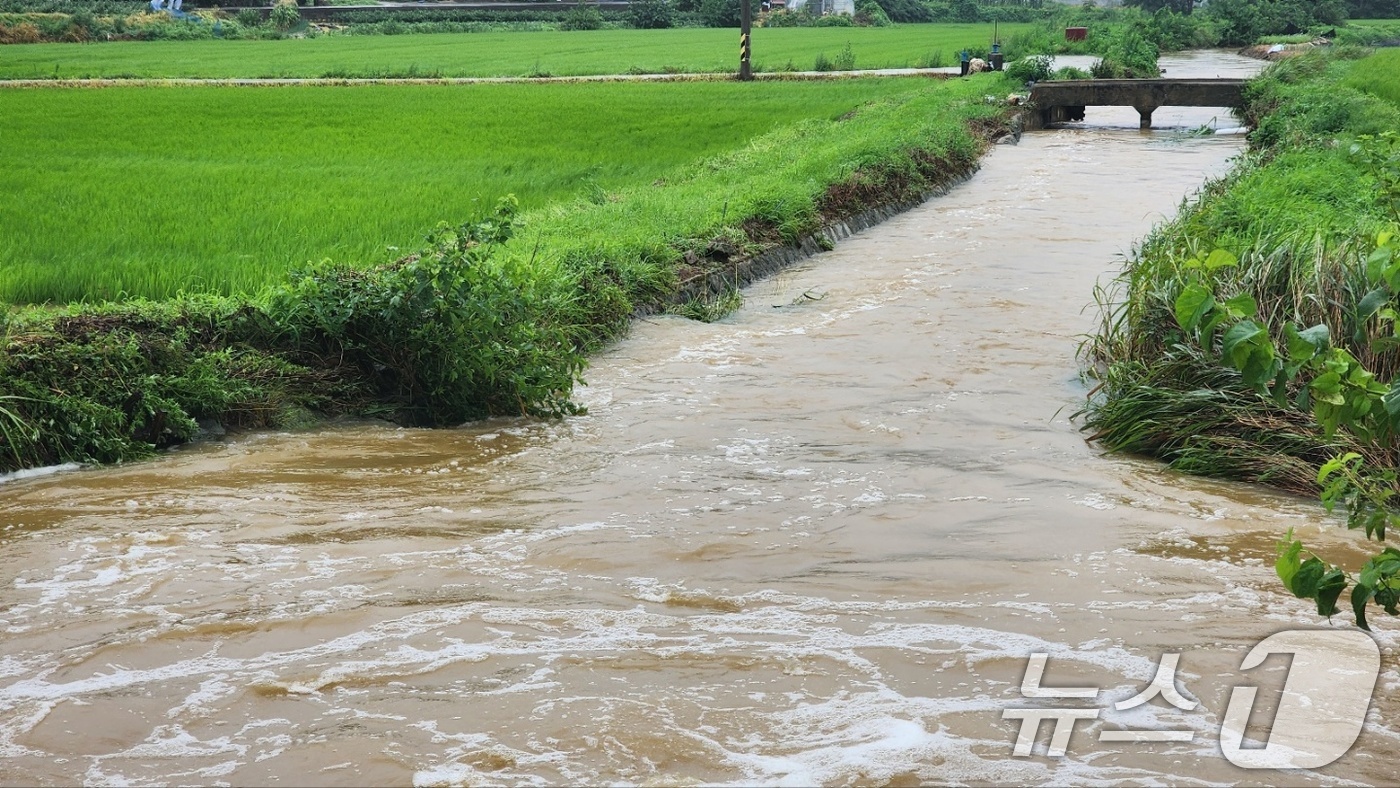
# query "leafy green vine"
(1304, 369)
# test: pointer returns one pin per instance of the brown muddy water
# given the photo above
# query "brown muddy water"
(814, 543)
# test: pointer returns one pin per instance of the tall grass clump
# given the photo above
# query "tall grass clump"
(1255, 335)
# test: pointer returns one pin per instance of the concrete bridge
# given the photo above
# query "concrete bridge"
(1060, 101)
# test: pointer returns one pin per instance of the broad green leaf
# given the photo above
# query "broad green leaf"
(1333, 465)
(1360, 595)
(1328, 415)
(1303, 345)
(1238, 341)
(1215, 318)
(1303, 401)
(1327, 388)
(1194, 302)
(1242, 305)
(1359, 376)
(1307, 579)
(1220, 259)
(1388, 599)
(1375, 525)
(1288, 560)
(1328, 589)
(1371, 303)
(1260, 368)
(1391, 275)
(1376, 263)
(1379, 570)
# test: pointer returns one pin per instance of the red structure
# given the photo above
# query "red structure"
(1076, 33)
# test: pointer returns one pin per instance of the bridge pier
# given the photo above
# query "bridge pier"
(1061, 100)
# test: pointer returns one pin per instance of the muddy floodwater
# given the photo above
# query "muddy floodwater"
(813, 543)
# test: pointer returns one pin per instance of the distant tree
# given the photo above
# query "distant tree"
(965, 11)
(720, 13)
(582, 16)
(910, 10)
(285, 16)
(1178, 6)
(1244, 21)
(650, 14)
(1373, 9)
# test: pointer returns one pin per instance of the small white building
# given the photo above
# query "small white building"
(823, 7)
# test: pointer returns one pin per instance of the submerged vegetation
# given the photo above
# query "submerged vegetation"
(1257, 335)
(493, 317)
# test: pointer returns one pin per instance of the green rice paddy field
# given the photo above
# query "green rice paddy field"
(560, 53)
(153, 191)
(1380, 77)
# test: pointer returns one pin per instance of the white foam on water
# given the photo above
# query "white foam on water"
(32, 473)
(868, 732)
(202, 701)
(477, 758)
(880, 736)
(18, 719)
(97, 571)
(1095, 501)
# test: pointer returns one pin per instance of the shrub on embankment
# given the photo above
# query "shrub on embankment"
(1255, 335)
(490, 318)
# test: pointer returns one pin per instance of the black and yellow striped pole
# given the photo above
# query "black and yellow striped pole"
(745, 25)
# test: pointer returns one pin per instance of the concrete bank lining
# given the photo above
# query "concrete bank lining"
(743, 272)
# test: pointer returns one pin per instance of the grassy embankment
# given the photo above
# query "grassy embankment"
(1255, 335)
(150, 192)
(494, 317)
(1300, 214)
(558, 53)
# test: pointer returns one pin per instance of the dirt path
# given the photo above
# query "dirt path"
(939, 73)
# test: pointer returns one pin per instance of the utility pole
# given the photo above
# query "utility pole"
(745, 25)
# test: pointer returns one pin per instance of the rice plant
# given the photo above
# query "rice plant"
(492, 54)
(1381, 76)
(149, 192)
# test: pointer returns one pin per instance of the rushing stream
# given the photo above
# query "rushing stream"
(813, 543)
